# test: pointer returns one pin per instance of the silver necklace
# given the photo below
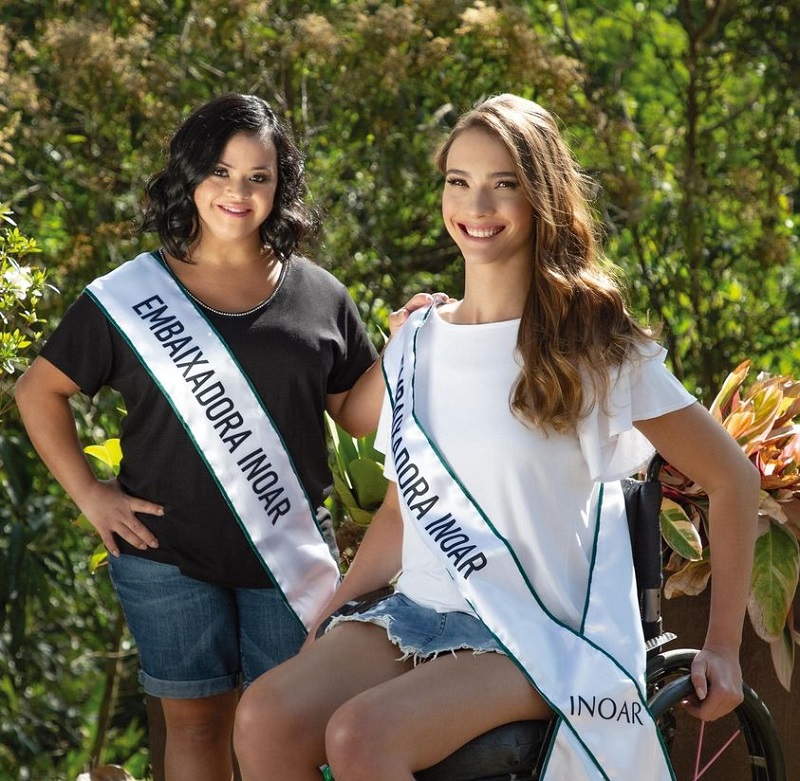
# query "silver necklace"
(211, 308)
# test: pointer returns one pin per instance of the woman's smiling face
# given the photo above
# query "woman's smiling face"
(483, 205)
(238, 195)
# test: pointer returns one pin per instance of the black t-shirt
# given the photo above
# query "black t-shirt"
(306, 342)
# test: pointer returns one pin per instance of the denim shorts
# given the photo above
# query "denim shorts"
(422, 633)
(197, 639)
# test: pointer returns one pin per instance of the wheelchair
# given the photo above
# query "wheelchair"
(746, 739)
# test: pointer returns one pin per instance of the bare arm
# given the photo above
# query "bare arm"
(42, 395)
(692, 441)
(358, 409)
(378, 558)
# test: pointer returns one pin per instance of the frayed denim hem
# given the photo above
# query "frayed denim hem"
(409, 650)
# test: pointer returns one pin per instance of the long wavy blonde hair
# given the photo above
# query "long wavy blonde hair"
(575, 325)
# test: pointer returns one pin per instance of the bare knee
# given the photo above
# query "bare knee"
(257, 715)
(356, 741)
(268, 720)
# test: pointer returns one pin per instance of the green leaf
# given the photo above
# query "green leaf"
(339, 467)
(347, 447)
(366, 448)
(369, 483)
(357, 470)
(343, 491)
(361, 517)
(19, 477)
(99, 558)
(5, 214)
(782, 651)
(109, 453)
(358, 514)
(776, 567)
(679, 532)
(82, 522)
(719, 407)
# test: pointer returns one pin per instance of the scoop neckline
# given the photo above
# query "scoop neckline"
(493, 324)
(159, 253)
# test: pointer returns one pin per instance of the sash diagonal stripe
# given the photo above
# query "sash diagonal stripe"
(198, 375)
(605, 729)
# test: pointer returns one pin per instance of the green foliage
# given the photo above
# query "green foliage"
(679, 532)
(21, 289)
(409, 69)
(762, 421)
(357, 470)
(64, 659)
(679, 104)
(108, 455)
(60, 664)
(775, 572)
(687, 119)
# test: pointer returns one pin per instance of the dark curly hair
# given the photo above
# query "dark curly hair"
(194, 151)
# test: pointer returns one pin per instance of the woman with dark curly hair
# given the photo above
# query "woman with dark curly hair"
(227, 348)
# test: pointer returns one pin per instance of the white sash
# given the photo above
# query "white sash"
(604, 730)
(228, 424)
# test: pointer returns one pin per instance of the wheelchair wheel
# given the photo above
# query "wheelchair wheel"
(743, 745)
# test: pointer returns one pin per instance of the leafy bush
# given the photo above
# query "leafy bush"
(21, 289)
(762, 420)
(68, 692)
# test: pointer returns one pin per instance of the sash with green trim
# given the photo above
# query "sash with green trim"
(228, 424)
(604, 728)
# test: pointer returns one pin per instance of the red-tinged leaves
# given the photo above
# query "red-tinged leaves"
(720, 407)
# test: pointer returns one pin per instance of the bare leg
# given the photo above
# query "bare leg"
(280, 724)
(199, 732)
(413, 721)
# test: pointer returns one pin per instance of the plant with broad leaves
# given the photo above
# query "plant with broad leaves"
(762, 419)
(358, 485)
(357, 469)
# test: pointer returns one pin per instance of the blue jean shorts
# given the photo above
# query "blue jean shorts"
(422, 633)
(197, 639)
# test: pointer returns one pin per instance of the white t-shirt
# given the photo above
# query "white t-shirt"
(539, 489)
